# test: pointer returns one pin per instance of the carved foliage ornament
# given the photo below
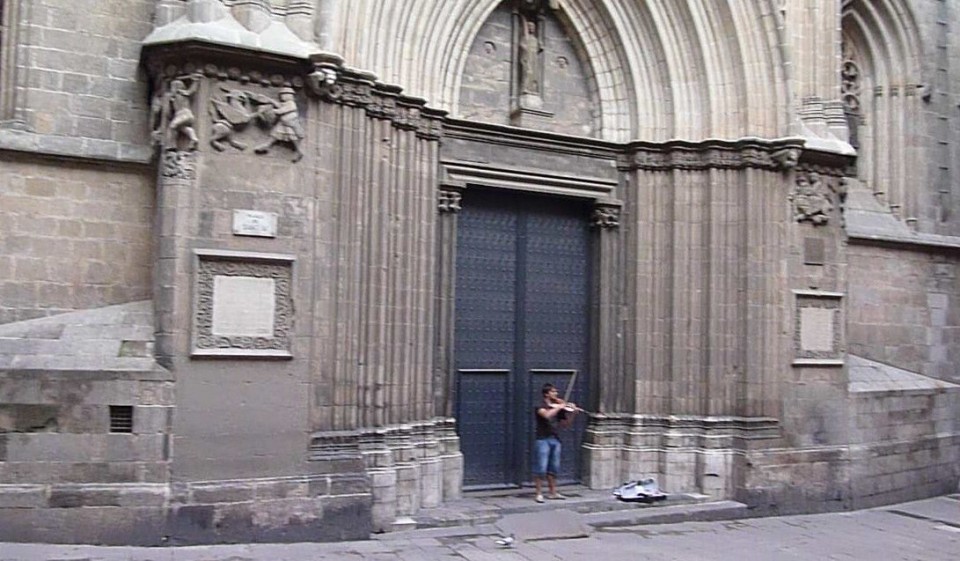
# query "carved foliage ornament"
(448, 201)
(605, 217)
(176, 164)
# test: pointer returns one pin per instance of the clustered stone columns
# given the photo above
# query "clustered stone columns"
(700, 242)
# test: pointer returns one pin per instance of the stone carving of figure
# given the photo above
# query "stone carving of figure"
(179, 99)
(812, 199)
(230, 115)
(285, 120)
(530, 50)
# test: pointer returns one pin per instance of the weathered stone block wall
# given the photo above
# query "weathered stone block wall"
(75, 236)
(902, 445)
(78, 75)
(55, 429)
(905, 445)
(904, 309)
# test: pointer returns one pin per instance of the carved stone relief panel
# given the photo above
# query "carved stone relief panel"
(812, 198)
(243, 305)
(234, 110)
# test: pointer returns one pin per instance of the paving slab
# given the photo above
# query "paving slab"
(544, 525)
(942, 509)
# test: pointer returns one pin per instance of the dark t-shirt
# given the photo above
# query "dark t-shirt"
(547, 427)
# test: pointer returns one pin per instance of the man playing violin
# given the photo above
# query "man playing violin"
(551, 414)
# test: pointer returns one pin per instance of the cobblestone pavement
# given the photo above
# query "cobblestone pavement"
(927, 530)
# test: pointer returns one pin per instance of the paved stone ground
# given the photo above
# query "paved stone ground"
(926, 530)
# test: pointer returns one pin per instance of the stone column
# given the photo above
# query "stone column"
(448, 206)
(612, 384)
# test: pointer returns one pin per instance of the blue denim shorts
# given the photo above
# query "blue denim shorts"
(546, 456)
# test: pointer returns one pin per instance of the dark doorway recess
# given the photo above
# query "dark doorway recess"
(522, 319)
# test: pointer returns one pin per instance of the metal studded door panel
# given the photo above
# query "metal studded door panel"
(522, 308)
(485, 337)
(556, 308)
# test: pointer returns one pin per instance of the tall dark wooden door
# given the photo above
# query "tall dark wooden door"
(522, 319)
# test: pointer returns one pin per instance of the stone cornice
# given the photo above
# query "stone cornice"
(912, 242)
(89, 150)
(505, 135)
(336, 84)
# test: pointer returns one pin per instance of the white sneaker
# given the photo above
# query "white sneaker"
(557, 497)
(539, 498)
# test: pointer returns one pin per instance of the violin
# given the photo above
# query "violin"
(567, 406)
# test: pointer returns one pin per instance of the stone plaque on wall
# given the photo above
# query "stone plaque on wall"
(255, 223)
(243, 304)
(818, 335)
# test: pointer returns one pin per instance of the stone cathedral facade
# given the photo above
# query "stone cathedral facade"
(280, 270)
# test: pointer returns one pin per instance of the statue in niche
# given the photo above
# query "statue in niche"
(284, 119)
(178, 99)
(530, 53)
(811, 199)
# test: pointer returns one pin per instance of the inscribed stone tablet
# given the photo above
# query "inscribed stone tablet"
(255, 223)
(243, 306)
(816, 329)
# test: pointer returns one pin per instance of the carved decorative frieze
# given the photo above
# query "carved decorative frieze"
(448, 201)
(605, 217)
(235, 109)
(713, 155)
(337, 85)
(788, 158)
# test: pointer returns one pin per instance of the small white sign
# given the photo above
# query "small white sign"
(254, 223)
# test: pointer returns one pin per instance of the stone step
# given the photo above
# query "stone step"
(597, 507)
